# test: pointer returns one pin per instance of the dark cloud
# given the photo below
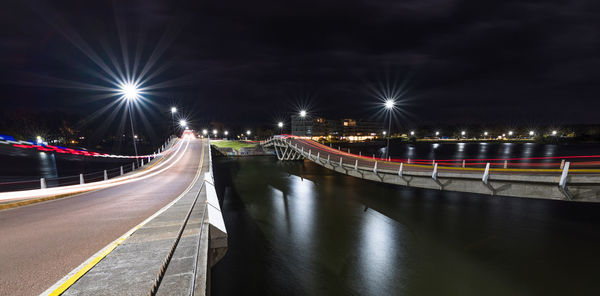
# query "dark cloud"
(465, 61)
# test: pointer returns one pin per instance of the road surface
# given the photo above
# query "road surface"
(43, 242)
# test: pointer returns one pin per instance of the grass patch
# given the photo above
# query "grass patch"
(236, 145)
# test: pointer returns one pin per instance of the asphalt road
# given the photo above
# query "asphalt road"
(41, 243)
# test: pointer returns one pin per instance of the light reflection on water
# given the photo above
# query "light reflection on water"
(296, 228)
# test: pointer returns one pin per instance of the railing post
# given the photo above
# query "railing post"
(435, 171)
(486, 174)
(348, 150)
(463, 163)
(341, 164)
(506, 164)
(318, 156)
(328, 162)
(408, 160)
(562, 164)
(562, 183)
(359, 153)
(81, 181)
(142, 164)
(121, 170)
(133, 166)
(375, 168)
(400, 170)
(356, 165)
(43, 183)
(105, 175)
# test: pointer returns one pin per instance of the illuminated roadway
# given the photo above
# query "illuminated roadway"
(43, 242)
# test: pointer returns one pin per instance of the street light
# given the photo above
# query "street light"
(389, 105)
(437, 134)
(248, 132)
(226, 133)
(280, 125)
(215, 132)
(510, 133)
(531, 133)
(302, 113)
(463, 133)
(554, 133)
(412, 133)
(204, 132)
(173, 111)
(485, 133)
(182, 123)
(39, 140)
(130, 92)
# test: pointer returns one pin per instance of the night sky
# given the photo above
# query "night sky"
(529, 62)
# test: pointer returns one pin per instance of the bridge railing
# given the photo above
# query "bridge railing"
(82, 178)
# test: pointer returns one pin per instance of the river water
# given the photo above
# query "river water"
(296, 228)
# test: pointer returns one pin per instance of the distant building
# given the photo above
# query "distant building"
(350, 129)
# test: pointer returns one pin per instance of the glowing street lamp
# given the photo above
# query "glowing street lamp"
(485, 133)
(463, 133)
(248, 132)
(554, 133)
(173, 111)
(130, 92)
(437, 134)
(302, 113)
(510, 133)
(412, 133)
(215, 132)
(280, 125)
(39, 140)
(183, 123)
(204, 132)
(531, 133)
(389, 105)
(226, 133)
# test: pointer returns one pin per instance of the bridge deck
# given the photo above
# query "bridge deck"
(43, 242)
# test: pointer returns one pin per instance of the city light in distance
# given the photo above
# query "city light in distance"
(384, 133)
(226, 133)
(554, 133)
(215, 132)
(183, 123)
(204, 132)
(485, 133)
(248, 132)
(510, 133)
(412, 133)
(463, 133)
(173, 110)
(531, 133)
(280, 124)
(437, 133)
(302, 113)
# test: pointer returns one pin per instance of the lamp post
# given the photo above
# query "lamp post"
(389, 105)
(173, 111)
(280, 125)
(130, 93)
(303, 116)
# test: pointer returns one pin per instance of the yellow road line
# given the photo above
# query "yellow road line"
(96, 258)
